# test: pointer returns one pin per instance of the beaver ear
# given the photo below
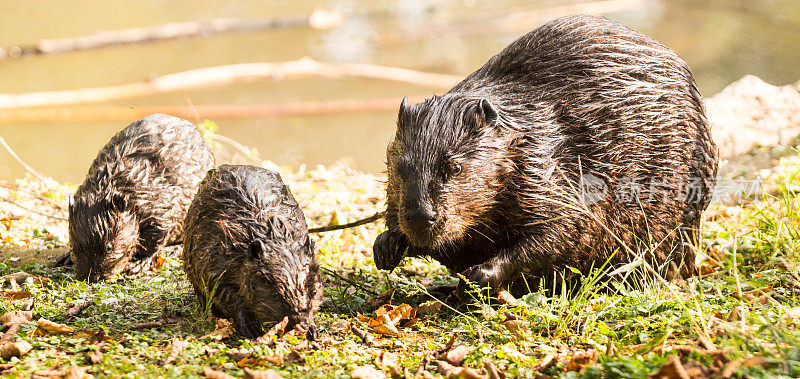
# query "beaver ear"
(488, 112)
(256, 249)
(403, 106)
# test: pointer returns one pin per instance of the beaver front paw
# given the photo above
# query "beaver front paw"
(482, 276)
(388, 250)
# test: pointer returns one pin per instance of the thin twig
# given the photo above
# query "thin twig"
(352, 283)
(30, 169)
(7, 200)
(363, 221)
(34, 194)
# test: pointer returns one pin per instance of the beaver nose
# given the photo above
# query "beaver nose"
(422, 218)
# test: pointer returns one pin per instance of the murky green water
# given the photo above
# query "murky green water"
(722, 41)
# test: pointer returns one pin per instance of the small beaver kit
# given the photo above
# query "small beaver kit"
(582, 140)
(246, 250)
(135, 196)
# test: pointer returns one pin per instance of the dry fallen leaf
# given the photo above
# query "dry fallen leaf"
(341, 326)
(261, 374)
(94, 356)
(17, 295)
(213, 374)
(44, 326)
(519, 328)
(14, 349)
(293, 357)
(505, 297)
(429, 308)
(367, 372)
(450, 371)
(7, 368)
(158, 262)
(223, 329)
(99, 337)
(16, 317)
(673, 369)
(175, 350)
(579, 360)
(386, 359)
(457, 354)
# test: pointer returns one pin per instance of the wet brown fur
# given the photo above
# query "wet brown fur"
(578, 96)
(136, 194)
(247, 247)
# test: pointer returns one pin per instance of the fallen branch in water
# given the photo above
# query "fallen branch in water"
(223, 75)
(519, 20)
(319, 19)
(211, 111)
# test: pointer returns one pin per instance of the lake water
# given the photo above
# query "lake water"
(721, 40)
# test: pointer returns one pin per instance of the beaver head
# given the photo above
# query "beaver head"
(282, 280)
(446, 168)
(103, 234)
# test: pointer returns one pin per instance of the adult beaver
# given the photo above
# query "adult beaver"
(581, 140)
(247, 252)
(136, 194)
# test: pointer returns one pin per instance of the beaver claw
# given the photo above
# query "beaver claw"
(481, 275)
(388, 250)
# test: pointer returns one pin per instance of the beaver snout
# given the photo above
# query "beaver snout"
(421, 217)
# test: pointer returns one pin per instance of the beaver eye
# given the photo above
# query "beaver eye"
(453, 169)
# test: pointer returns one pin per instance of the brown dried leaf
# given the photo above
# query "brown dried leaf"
(429, 308)
(293, 357)
(505, 297)
(673, 369)
(386, 359)
(16, 317)
(94, 356)
(17, 295)
(386, 329)
(394, 373)
(158, 262)
(395, 313)
(175, 351)
(341, 326)
(223, 329)
(519, 328)
(77, 372)
(579, 360)
(14, 349)
(448, 370)
(367, 372)
(261, 374)
(7, 368)
(457, 354)
(213, 374)
(99, 337)
(44, 326)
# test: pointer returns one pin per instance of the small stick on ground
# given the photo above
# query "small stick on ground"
(79, 307)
